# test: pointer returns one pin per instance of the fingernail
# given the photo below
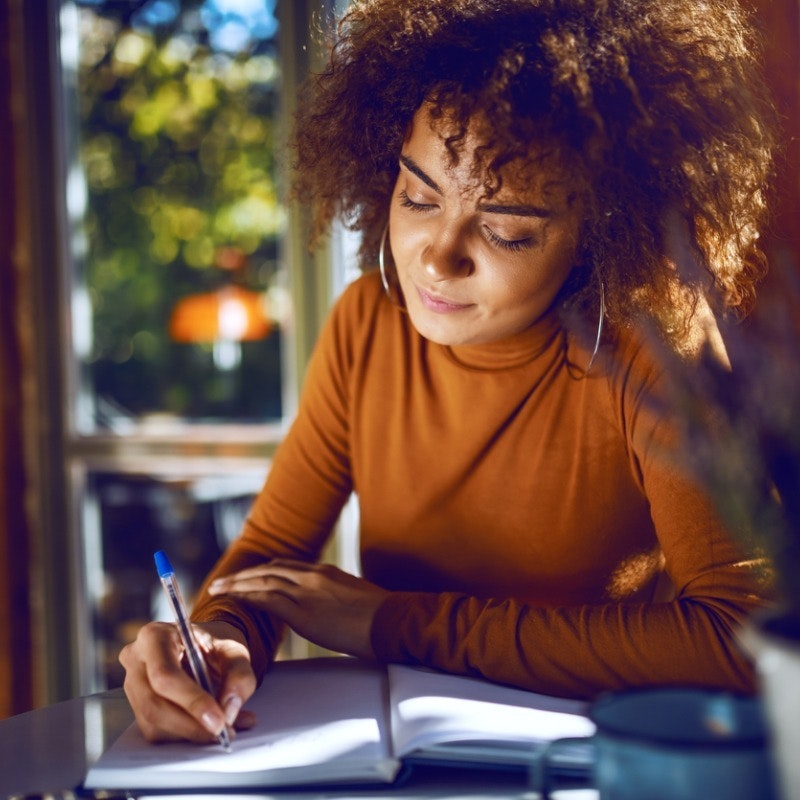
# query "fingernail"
(212, 723)
(232, 707)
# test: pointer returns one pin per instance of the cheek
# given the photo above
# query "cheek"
(535, 283)
(520, 295)
(403, 239)
(555, 262)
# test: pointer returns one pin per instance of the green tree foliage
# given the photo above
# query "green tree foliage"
(177, 109)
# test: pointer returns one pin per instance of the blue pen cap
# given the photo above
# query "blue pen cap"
(162, 565)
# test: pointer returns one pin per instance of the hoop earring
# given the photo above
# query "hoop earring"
(600, 323)
(382, 262)
(391, 285)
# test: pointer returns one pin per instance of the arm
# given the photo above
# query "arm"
(688, 637)
(575, 650)
(583, 650)
(591, 638)
(291, 518)
(308, 484)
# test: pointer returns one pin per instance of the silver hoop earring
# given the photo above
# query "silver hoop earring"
(391, 283)
(599, 330)
(382, 262)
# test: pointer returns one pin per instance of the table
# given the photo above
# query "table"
(46, 752)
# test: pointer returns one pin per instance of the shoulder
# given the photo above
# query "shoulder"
(649, 378)
(643, 352)
(360, 295)
(359, 306)
(362, 317)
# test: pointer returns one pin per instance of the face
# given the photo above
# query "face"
(474, 270)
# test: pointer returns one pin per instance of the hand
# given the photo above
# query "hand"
(168, 703)
(328, 607)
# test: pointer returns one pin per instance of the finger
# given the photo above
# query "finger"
(238, 679)
(158, 718)
(288, 609)
(171, 683)
(275, 601)
(280, 563)
(272, 581)
(283, 600)
(276, 565)
(162, 721)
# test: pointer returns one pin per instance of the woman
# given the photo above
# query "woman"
(534, 178)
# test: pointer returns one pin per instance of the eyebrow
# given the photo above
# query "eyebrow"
(412, 166)
(516, 211)
(488, 208)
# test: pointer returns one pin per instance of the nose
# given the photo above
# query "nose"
(446, 256)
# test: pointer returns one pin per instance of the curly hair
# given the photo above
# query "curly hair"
(657, 106)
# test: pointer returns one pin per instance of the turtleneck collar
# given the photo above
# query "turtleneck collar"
(513, 351)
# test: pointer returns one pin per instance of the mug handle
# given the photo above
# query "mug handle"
(541, 773)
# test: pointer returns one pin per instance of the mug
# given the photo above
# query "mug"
(671, 744)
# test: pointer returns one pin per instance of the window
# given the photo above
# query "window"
(191, 302)
(179, 295)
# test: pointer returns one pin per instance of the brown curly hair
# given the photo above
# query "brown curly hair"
(657, 106)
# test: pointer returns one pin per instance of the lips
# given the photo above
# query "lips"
(438, 304)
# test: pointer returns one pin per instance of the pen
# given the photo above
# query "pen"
(193, 652)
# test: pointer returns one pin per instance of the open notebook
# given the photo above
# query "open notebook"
(336, 721)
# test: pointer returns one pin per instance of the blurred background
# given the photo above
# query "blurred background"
(158, 303)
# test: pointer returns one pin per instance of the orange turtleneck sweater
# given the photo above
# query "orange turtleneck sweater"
(533, 526)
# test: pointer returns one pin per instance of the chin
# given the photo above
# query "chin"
(439, 334)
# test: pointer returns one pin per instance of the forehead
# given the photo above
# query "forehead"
(462, 159)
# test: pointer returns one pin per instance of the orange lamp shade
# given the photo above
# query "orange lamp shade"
(229, 314)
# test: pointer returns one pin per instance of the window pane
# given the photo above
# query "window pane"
(176, 223)
(191, 516)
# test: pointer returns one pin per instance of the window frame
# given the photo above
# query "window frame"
(64, 572)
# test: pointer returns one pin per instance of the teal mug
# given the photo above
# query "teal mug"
(670, 744)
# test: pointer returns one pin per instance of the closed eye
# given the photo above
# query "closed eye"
(514, 245)
(407, 202)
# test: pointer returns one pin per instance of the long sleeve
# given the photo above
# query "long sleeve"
(307, 485)
(583, 649)
(534, 529)
(673, 587)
